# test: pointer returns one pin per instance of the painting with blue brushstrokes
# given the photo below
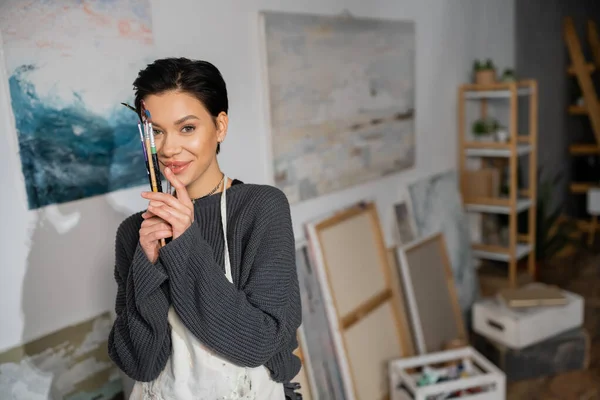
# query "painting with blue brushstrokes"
(70, 64)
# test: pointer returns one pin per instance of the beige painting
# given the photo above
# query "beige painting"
(341, 100)
(69, 364)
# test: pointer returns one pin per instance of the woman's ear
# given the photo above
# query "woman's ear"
(222, 122)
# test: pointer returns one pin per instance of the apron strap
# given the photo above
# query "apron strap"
(224, 224)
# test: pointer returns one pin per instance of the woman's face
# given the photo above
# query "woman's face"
(185, 133)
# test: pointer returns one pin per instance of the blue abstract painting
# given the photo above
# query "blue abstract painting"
(70, 64)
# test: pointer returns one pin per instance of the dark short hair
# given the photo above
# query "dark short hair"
(196, 77)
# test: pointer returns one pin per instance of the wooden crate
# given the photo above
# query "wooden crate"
(403, 376)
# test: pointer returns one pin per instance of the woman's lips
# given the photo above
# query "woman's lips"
(178, 167)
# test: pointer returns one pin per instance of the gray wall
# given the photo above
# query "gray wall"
(541, 54)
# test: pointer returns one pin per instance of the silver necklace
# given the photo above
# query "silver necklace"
(211, 192)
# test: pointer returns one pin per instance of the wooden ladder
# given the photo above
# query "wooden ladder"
(594, 40)
(582, 70)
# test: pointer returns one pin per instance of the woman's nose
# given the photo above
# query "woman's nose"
(170, 146)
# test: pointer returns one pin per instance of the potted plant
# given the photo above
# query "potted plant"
(508, 75)
(484, 129)
(485, 72)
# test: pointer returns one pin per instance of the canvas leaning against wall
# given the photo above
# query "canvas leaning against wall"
(322, 364)
(70, 364)
(70, 64)
(437, 207)
(341, 100)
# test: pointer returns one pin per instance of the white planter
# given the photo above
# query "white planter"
(502, 135)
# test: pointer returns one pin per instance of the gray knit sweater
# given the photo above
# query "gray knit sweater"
(251, 323)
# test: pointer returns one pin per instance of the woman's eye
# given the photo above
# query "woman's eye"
(156, 131)
(188, 128)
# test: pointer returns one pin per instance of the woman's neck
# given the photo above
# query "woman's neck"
(206, 183)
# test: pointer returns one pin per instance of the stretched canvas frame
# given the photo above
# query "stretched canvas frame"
(406, 227)
(429, 319)
(303, 377)
(354, 320)
(317, 349)
(392, 254)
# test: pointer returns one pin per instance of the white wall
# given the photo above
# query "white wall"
(56, 264)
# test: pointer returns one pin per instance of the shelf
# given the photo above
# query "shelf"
(589, 66)
(583, 187)
(496, 253)
(475, 149)
(521, 148)
(584, 149)
(503, 93)
(495, 206)
(577, 110)
(524, 139)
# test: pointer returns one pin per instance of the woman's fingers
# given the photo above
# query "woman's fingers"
(151, 221)
(182, 194)
(160, 234)
(153, 227)
(172, 216)
(166, 199)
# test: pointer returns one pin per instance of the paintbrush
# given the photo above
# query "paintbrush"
(153, 149)
(141, 142)
(153, 168)
(145, 153)
(149, 147)
(147, 141)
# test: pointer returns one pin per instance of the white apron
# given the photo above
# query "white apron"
(195, 372)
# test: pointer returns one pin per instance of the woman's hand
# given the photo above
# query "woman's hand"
(176, 211)
(152, 230)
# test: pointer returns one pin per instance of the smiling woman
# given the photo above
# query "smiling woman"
(188, 143)
(214, 312)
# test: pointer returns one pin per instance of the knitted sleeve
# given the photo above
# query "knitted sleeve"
(254, 323)
(139, 341)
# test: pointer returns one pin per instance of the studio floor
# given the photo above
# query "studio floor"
(580, 274)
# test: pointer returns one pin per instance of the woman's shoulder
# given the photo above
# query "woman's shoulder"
(260, 203)
(263, 195)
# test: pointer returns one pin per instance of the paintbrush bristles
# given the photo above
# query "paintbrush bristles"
(150, 161)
